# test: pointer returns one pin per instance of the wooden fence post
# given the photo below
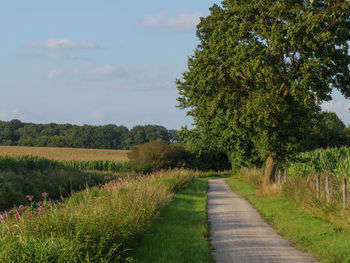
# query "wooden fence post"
(345, 193)
(318, 186)
(279, 177)
(328, 190)
(285, 176)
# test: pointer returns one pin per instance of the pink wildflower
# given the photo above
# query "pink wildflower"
(40, 203)
(40, 210)
(3, 217)
(17, 216)
(21, 208)
(30, 198)
(45, 195)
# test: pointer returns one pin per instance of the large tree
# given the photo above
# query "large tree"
(261, 70)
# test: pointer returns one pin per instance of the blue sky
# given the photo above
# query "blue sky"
(100, 62)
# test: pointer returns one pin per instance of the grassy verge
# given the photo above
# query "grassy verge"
(181, 233)
(325, 241)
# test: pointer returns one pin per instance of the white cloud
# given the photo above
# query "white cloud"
(336, 105)
(181, 22)
(96, 114)
(55, 73)
(63, 48)
(66, 43)
(106, 72)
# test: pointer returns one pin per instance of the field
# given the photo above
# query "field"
(65, 154)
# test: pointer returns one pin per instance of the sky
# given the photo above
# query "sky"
(100, 61)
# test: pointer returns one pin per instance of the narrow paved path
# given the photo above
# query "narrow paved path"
(238, 233)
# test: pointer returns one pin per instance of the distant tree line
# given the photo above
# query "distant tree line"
(110, 136)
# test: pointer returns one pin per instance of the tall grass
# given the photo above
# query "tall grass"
(99, 165)
(30, 175)
(98, 224)
(301, 191)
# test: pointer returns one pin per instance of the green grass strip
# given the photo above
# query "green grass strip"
(181, 232)
(324, 241)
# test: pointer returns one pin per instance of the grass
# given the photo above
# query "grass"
(65, 154)
(325, 241)
(95, 225)
(181, 232)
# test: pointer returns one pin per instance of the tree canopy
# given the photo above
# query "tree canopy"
(260, 72)
(108, 136)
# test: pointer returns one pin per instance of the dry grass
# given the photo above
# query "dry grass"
(65, 154)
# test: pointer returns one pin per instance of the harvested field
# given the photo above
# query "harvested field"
(65, 154)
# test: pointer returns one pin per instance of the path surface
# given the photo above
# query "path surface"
(238, 233)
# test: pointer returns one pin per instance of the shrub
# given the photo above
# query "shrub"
(155, 155)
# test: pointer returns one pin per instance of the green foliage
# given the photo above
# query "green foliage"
(180, 234)
(154, 155)
(327, 131)
(325, 241)
(87, 136)
(334, 162)
(95, 225)
(16, 182)
(99, 165)
(260, 72)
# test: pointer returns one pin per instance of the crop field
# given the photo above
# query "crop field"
(66, 154)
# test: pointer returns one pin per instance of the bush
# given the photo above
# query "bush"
(155, 155)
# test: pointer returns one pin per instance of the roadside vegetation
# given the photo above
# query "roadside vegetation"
(99, 224)
(181, 233)
(307, 223)
(31, 176)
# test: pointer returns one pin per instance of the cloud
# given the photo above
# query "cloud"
(55, 73)
(96, 114)
(106, 72)
(336, 105)
(182, 21)
(66, 43)
(63, 48)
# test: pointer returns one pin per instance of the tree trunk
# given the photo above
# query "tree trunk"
(270, 170)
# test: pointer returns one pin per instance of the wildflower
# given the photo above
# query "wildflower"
(45, 195)
(17, 216)
(3, 217)
(40, 210)
(21, 208)
(30, 198)
(40, 203)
